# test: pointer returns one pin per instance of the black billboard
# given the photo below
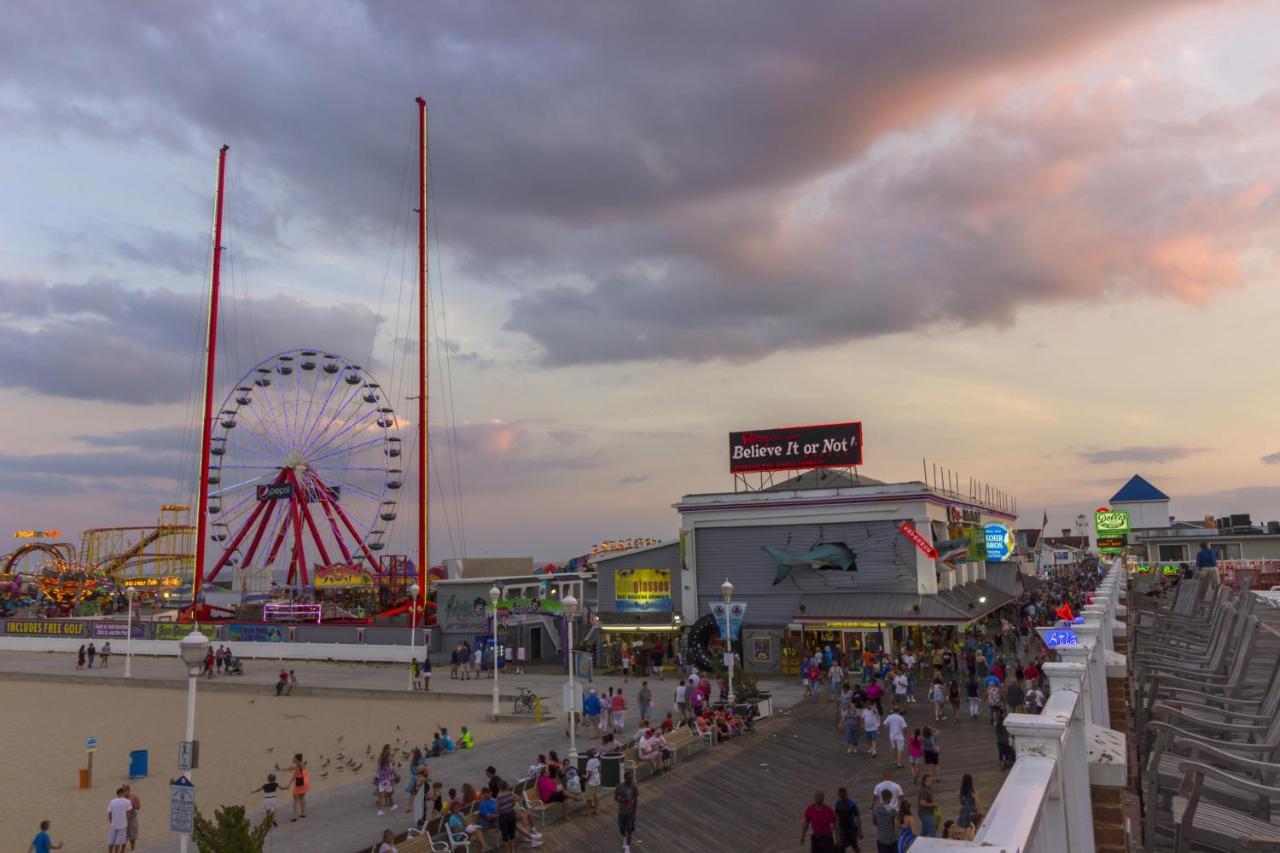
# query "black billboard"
(795, 448)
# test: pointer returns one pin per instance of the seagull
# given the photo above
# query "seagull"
(358, 766)
(322, 775)
(251, 701)
(271, 749)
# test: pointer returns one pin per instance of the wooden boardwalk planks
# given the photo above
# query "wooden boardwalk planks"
(750, 794)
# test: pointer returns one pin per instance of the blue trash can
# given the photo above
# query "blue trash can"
(138, 764)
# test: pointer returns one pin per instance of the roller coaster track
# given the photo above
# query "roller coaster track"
(58, 550)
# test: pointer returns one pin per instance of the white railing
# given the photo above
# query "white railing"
(1044, 805)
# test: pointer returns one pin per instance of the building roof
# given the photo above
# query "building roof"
(824, 478)
(1138, 490)
(613, 555)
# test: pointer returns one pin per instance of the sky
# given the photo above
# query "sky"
(1032, 243)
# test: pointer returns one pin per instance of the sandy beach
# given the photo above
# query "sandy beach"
(242, 737)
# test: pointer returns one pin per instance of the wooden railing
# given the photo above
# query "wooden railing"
(1044, 805)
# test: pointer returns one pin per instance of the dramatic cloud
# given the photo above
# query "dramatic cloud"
(1139, 454)
(151, 439)
(1272, 459)
(104, 341)
(655, 185)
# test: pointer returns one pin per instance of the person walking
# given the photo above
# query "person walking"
(301, 785)
(897, 726)
(927, 808)
(871, 727)
(453, 663)
(426, 673)
(93, 653)
(915, 754)
(852, 726)
(908, 827)
(953, 693)
(975, 701)
(885, 819)
(626, 666)
(969, 805)
(106, 654)
(415, 675)
(43, 843)
(938, 696)
(821, 819)
(645, 699)
(836, 673)
(848, 822)
(619, 707)
(930, 746)
(627, 796)
(80, 658)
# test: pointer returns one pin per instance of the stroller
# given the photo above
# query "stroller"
(233, 666)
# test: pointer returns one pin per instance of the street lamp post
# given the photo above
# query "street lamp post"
(494, 595)
(129, 593)
(413, 626)
(569, 605)
(726, 589)
(193, 649)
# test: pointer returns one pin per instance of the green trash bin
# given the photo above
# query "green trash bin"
(611, 770)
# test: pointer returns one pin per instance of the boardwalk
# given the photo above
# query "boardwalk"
(749, 795)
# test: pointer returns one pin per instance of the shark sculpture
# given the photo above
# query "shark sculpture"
(826, 555)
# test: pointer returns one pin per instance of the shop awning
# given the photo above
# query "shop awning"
(874, 607)
(854, 610)
(968, 599)
(1006, 577)
(613, 621)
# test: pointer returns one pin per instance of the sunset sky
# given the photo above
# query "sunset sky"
(1033, 242)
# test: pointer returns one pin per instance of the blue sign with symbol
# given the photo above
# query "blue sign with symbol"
(1063, 637)
(999, 542)
(91, 743)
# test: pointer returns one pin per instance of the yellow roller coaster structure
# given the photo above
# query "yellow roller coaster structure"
(167, 548)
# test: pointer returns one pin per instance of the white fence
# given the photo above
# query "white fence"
(354, 652)
(1044, 805)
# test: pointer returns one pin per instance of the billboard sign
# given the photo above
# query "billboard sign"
(45, 628)
(178, 630)
(1111, 522)
(1000, 543)
(642, 591)
(121, 630)
(794, 448)
(37, 534)
(255, 633)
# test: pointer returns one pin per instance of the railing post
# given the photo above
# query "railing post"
(1095, 660)
(1078, 656)
(1073, 759)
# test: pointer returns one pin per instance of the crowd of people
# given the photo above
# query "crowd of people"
(997, 661)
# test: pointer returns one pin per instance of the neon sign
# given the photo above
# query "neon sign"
(37, 534)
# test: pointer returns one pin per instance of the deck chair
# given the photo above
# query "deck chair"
(1158, 684)
(1201, 823)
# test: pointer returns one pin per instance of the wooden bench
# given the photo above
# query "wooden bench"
(681, 739)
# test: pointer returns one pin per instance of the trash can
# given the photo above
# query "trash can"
(84, 777)
(611, 770)
(138, 764)
(582, 766)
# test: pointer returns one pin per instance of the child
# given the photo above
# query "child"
(593, 780)
(42, 843)
(465, 740)
(268, 791)
(415, 674)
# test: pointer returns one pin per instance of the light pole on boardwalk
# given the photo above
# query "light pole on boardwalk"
(726, 589)
(494, 595)
(193, 649)
(413, 626)
(570, 606)
(129, 593)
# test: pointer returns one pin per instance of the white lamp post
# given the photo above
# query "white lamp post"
(494, 595)
(413, 625)
(193, 649)
(726, 590)
(129, 593)
(570, 606)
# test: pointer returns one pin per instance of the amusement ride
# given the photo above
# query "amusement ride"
(301, 468)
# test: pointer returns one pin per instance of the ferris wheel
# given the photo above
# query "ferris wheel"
(303, 467)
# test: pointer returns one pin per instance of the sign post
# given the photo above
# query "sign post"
(182, 806)
(90, 746)
(188, 755)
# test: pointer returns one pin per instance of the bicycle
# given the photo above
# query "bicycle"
(525, 701)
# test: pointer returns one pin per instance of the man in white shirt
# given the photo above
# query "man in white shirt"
(593, 782)
(897, 726)
(894, 789)
(118, 822)
(871, 727)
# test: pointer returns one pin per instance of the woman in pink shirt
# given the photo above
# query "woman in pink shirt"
(915, 753)
(549, 791)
